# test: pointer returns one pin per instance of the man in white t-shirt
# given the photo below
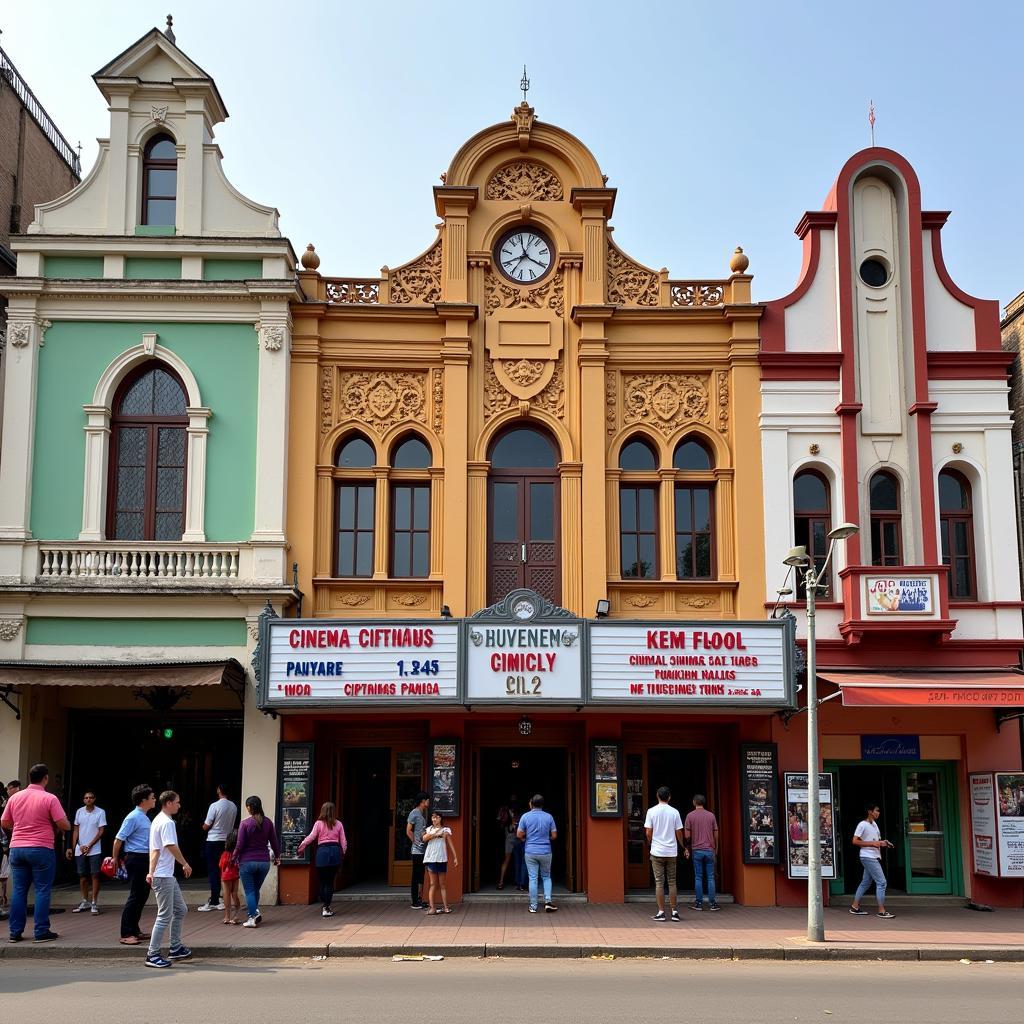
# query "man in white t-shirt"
(664, 829)
(868, 839)
(170, 904)
(90, 824)
(220, 820)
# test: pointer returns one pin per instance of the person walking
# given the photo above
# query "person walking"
(415, 826)
(256, 838)
(700, 831)
(229, 880)
(221, 818)
(133, 838)
(170, 904)
(31, 815)
(90, 824)
(331, 847)
(664, 830)
(438, 840)
(868, 838)
(537, 830)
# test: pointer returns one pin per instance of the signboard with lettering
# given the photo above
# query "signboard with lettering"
(692, 663)
(524, 650)
(1010, 823)
(983, 824)
(294, 799)
(798, 810)
(759, 802)
(890, 748)
(900, 595)
(317, 662)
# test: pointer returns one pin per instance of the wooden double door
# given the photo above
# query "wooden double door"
(523, 536)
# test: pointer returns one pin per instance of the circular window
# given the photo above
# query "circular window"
(874, 272)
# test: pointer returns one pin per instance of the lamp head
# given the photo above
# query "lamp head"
(603, 607)
(797, 557)
(446, 612)
(843, 531)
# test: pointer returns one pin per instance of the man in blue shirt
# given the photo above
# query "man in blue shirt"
(133, 838)
(537, 828)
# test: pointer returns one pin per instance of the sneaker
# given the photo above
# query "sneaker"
(533, 910)
(16, 938)
(714, 906)
(550, 908)
(259, 915)
(696, 906)
(675, 915)
(220, 905)
(179, 953)
(94, 909)
(885, 917)
(204, 907)
(415, 906)
(856, 911)
(326, 913)
(250, 923)
(50, 936)
(156, 960)
(659, 916)
(84, 905)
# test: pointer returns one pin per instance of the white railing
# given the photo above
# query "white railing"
(128, 561)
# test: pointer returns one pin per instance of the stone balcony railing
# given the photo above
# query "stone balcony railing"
(125, 561)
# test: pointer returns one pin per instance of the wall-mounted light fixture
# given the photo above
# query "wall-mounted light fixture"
(602, 609)
(446, 612)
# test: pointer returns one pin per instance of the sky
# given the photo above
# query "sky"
(718, 123)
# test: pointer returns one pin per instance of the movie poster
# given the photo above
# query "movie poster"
(294, 799)
(1010, 806)
(759, 803)
(798, 811)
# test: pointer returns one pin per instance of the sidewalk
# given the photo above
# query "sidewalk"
(375, 929)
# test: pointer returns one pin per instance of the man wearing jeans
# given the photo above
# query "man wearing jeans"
(30, 816)
(701, 832)
(869, 839)
(537, 828)
(170, 904)
(415, 826)
(664, 829)
(220, 820)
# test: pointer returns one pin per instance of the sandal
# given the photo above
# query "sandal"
(447, 910)
(129, 940)
(501, 885)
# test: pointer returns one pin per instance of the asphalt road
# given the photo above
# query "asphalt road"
(524, 991)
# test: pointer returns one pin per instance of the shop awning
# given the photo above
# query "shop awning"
(931, 689)
(136, 674)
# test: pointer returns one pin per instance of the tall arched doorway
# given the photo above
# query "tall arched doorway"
(523, 528)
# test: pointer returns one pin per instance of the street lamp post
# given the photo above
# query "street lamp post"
(798, 558)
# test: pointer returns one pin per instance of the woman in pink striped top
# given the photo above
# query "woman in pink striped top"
(331, 845)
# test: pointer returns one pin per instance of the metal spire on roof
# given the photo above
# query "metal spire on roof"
(169, 31)
(871, 120)
(524, 84)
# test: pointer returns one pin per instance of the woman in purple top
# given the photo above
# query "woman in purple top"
(256, 838)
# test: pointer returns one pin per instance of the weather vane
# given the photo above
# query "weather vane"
(871, 119)
(524, 84)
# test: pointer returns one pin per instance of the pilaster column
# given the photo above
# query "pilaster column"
(613, 478)
(324, 522)
(571, 480)
(475, 543)
(667, 523)
(725, 519)
(97, 449)
(436, 521)
(454, 205)
(594, 206)
(120, 219)
(190, 169)
(195, 484)
(380, 523)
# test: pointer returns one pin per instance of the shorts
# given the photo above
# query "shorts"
(510, 842)
(439, 867)
(88, 865)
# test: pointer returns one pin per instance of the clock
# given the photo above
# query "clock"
(524, 255)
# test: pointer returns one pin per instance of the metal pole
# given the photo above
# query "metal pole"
(815, 906)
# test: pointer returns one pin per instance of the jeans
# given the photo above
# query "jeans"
(417, 879)
(539, 864)
(328, 860)
(31, 865)
(253, 873)
(519, 864)
(664, 869)
(137, 866)
(872, 873)
(170, 910)
(212, 849)
(703, 859)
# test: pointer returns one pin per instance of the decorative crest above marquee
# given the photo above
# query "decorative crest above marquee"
(522, 605)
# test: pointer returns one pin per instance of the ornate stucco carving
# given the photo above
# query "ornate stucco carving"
(522, 181)
(409, 600)
(611, 401)
(354, 598)
(723, 401)
(696, 602)
(159, 114)
(629, 283)
(665, 401)
(523, 371)
(254, 631)
(640, 600)
(552, 397)
(326, 399)
(273, 337)
(9, 629)
(497, 397)
(384, 398)
(19, 332)
(500, 295)
(438, 398)
(420, 281)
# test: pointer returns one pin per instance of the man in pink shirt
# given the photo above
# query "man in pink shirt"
(700, 831)
(31, 816)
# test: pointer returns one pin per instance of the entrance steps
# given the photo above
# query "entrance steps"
(685, 896)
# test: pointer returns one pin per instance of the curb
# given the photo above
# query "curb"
(334, 951)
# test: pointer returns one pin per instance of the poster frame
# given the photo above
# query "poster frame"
(605, 779)
(772, 801)
(452, 808)
(828, 871)
(310, 751)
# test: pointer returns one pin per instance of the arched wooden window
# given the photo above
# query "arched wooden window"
(159, 181)
(886, 519)
(638, 510)
(147, 456)
(812, 519)
(410, 508)
(956, 526)
(694, 511)
(354, 507)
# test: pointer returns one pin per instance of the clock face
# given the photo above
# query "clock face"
(524, 255)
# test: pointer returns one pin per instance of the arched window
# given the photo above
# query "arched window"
(812, 518)
(147, 456)
(159, 181)
(354, 507)
(886, 519)
(956, 525)
(694, 511)
(638, 510)
(410, 508)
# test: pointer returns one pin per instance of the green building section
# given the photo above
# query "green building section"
(149, 268)
(82, 267)
(136, 632)
(232, 270)
(223, 358)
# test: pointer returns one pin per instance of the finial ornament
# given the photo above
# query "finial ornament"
(871, 120)
(524, 84)
(310, 260)
(739, 262)
(169, 31)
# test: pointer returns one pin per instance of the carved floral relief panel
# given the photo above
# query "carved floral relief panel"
(522, 181)
(502, 295)
(381, 399)
(497, 398)
(418, 282)
(665, 401)
(629, 283)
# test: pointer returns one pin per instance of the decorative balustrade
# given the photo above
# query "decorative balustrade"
(696, 293)
(353, 289)
(116, 561)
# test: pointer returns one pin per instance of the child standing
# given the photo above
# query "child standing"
(229, 879)
(438, 840)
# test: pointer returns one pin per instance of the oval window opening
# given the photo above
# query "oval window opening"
(874, 273)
